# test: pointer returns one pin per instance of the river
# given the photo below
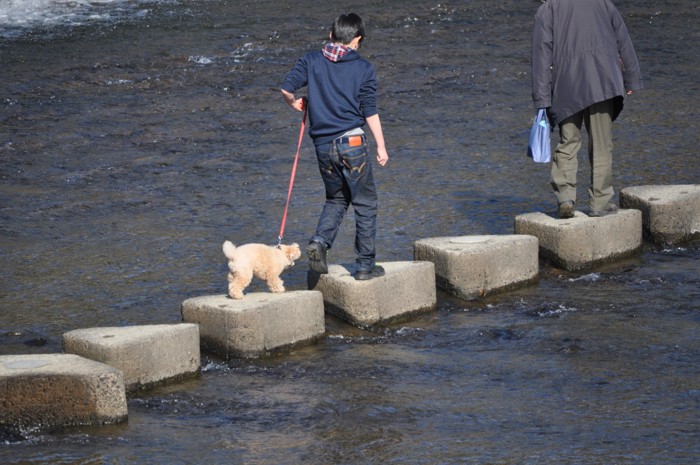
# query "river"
(137, 135)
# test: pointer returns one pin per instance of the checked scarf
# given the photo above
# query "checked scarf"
(335, 52)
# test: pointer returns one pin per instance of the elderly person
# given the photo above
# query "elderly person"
(583, 65)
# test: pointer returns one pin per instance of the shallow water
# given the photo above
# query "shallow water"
(136, 136)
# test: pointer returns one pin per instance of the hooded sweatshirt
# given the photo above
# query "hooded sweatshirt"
(341, 88)
(581, 54)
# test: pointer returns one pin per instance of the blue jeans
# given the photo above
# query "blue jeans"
(347, 175)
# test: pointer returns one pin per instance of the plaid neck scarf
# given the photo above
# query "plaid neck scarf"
(335, 52)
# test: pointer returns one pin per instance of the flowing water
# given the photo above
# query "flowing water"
(137, 135)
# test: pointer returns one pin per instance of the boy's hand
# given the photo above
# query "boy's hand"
(375, 126)
(297, 103)
(382, 156)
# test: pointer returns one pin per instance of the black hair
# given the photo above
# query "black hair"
(347, 27)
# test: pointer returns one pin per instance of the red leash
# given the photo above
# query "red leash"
(291, 179)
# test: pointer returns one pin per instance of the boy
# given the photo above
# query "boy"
(341, 90)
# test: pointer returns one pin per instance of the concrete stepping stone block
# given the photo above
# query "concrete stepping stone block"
(49, 391)
(147, 355)
(670, 214)
(583, 242)
(406, 288)
(471, 267)
(258, 324)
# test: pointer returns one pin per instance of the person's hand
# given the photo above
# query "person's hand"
(382, 156)
(629, 92)
(299, 104)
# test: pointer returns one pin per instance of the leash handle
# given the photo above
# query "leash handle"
(291, 178)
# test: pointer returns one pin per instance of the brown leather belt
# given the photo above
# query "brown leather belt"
(352, 141)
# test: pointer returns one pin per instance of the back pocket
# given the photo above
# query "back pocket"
(355, 162)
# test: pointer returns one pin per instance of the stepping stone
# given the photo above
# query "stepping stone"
(406, 288)
(51, 391)
(670, 214)
(582, 242)
(471, 267)
(258, 324)
(147, 355)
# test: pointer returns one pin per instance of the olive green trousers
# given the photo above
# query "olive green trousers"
(598, 121)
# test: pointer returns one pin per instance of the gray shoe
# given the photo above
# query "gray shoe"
(317, 253)
(566, 209)
(611, 207)
(364, 275)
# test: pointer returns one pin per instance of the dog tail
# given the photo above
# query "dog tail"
(229, 249)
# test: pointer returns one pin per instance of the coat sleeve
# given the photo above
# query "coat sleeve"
(542, 58)
(631, 74)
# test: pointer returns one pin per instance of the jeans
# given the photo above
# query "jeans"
(347, 175)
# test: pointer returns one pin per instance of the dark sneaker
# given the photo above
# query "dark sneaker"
(317, 257)
(611, 207)
(364, 275)
(566, 209)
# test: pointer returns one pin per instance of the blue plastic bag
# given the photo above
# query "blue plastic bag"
(539, 148)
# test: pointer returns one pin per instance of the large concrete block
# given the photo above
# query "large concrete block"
(582, 242)
(147, 355)
(670, 214)
(258, 324)
(474, 266)
(406, 288)
(51, 391)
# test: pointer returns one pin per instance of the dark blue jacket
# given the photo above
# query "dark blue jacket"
(341, 95)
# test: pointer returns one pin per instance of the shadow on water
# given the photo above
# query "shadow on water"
(134, 143)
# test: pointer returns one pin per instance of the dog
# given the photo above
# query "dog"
(262, 261)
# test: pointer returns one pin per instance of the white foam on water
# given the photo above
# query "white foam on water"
(591, 277)
(557, 311)
(201, 60)
(25, 12)
(18, 16)
(119, 82)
